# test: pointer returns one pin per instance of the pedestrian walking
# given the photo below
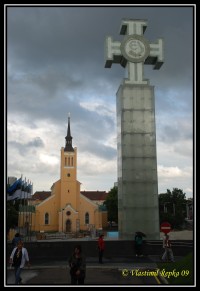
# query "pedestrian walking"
(77, 264)
(101, 248)
(18, 259)
(168, 253)
(138, 244)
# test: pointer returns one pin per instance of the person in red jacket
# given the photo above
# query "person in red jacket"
(101, 248)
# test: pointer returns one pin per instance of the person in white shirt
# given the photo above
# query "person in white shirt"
(18, 259)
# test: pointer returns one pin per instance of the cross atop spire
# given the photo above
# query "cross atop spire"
(134, 51)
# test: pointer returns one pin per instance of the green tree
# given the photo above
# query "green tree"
(172, 207)
(111, 203)
(12, 214)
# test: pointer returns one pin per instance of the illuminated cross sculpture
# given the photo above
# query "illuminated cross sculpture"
(134, 51)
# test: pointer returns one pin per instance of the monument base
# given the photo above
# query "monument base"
(137, 162)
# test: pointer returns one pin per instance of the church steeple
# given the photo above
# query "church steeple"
(68, 144)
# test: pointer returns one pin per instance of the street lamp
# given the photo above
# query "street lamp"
(187, 209)
(165, 208)
(62, 221)
(62, 218)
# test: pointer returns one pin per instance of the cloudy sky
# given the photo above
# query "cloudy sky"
(55, 65)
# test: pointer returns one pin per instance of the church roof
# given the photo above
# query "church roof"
(92, 195)
(95, 195)
(41, 195)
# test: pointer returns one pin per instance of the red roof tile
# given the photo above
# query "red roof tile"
(92, 195)
(95, 195)
(41, 195)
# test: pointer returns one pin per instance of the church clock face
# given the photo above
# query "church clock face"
(135, 48)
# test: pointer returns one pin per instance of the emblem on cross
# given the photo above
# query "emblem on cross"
(134, 51)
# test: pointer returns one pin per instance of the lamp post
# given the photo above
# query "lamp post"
(165, 208)
(62, 222)
(62, 218)
(187, 210)
(190, 211)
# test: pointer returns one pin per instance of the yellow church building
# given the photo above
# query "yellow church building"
(65, 208)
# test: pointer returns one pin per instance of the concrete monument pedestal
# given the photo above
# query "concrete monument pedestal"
(137, 164)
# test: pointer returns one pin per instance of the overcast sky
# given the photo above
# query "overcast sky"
(55, 65)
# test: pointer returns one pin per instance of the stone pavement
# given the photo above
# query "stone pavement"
(115, 273)
(56, 273)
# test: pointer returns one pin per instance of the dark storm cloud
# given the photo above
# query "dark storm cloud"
(60, 49)
(36, 142)
(105, 152)
(176, 132)
(27, 147)
(55, 62)
(74, 37)
(93, 130)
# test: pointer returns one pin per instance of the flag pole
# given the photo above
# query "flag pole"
(26, 200)
(29, 213)
(19, 208)
(24, 205)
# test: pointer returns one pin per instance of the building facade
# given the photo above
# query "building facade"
(65, 208)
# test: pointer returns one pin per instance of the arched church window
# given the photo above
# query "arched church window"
(87, 218)
(46, 218)
(72, 161)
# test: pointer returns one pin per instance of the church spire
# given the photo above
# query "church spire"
(68, 144)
